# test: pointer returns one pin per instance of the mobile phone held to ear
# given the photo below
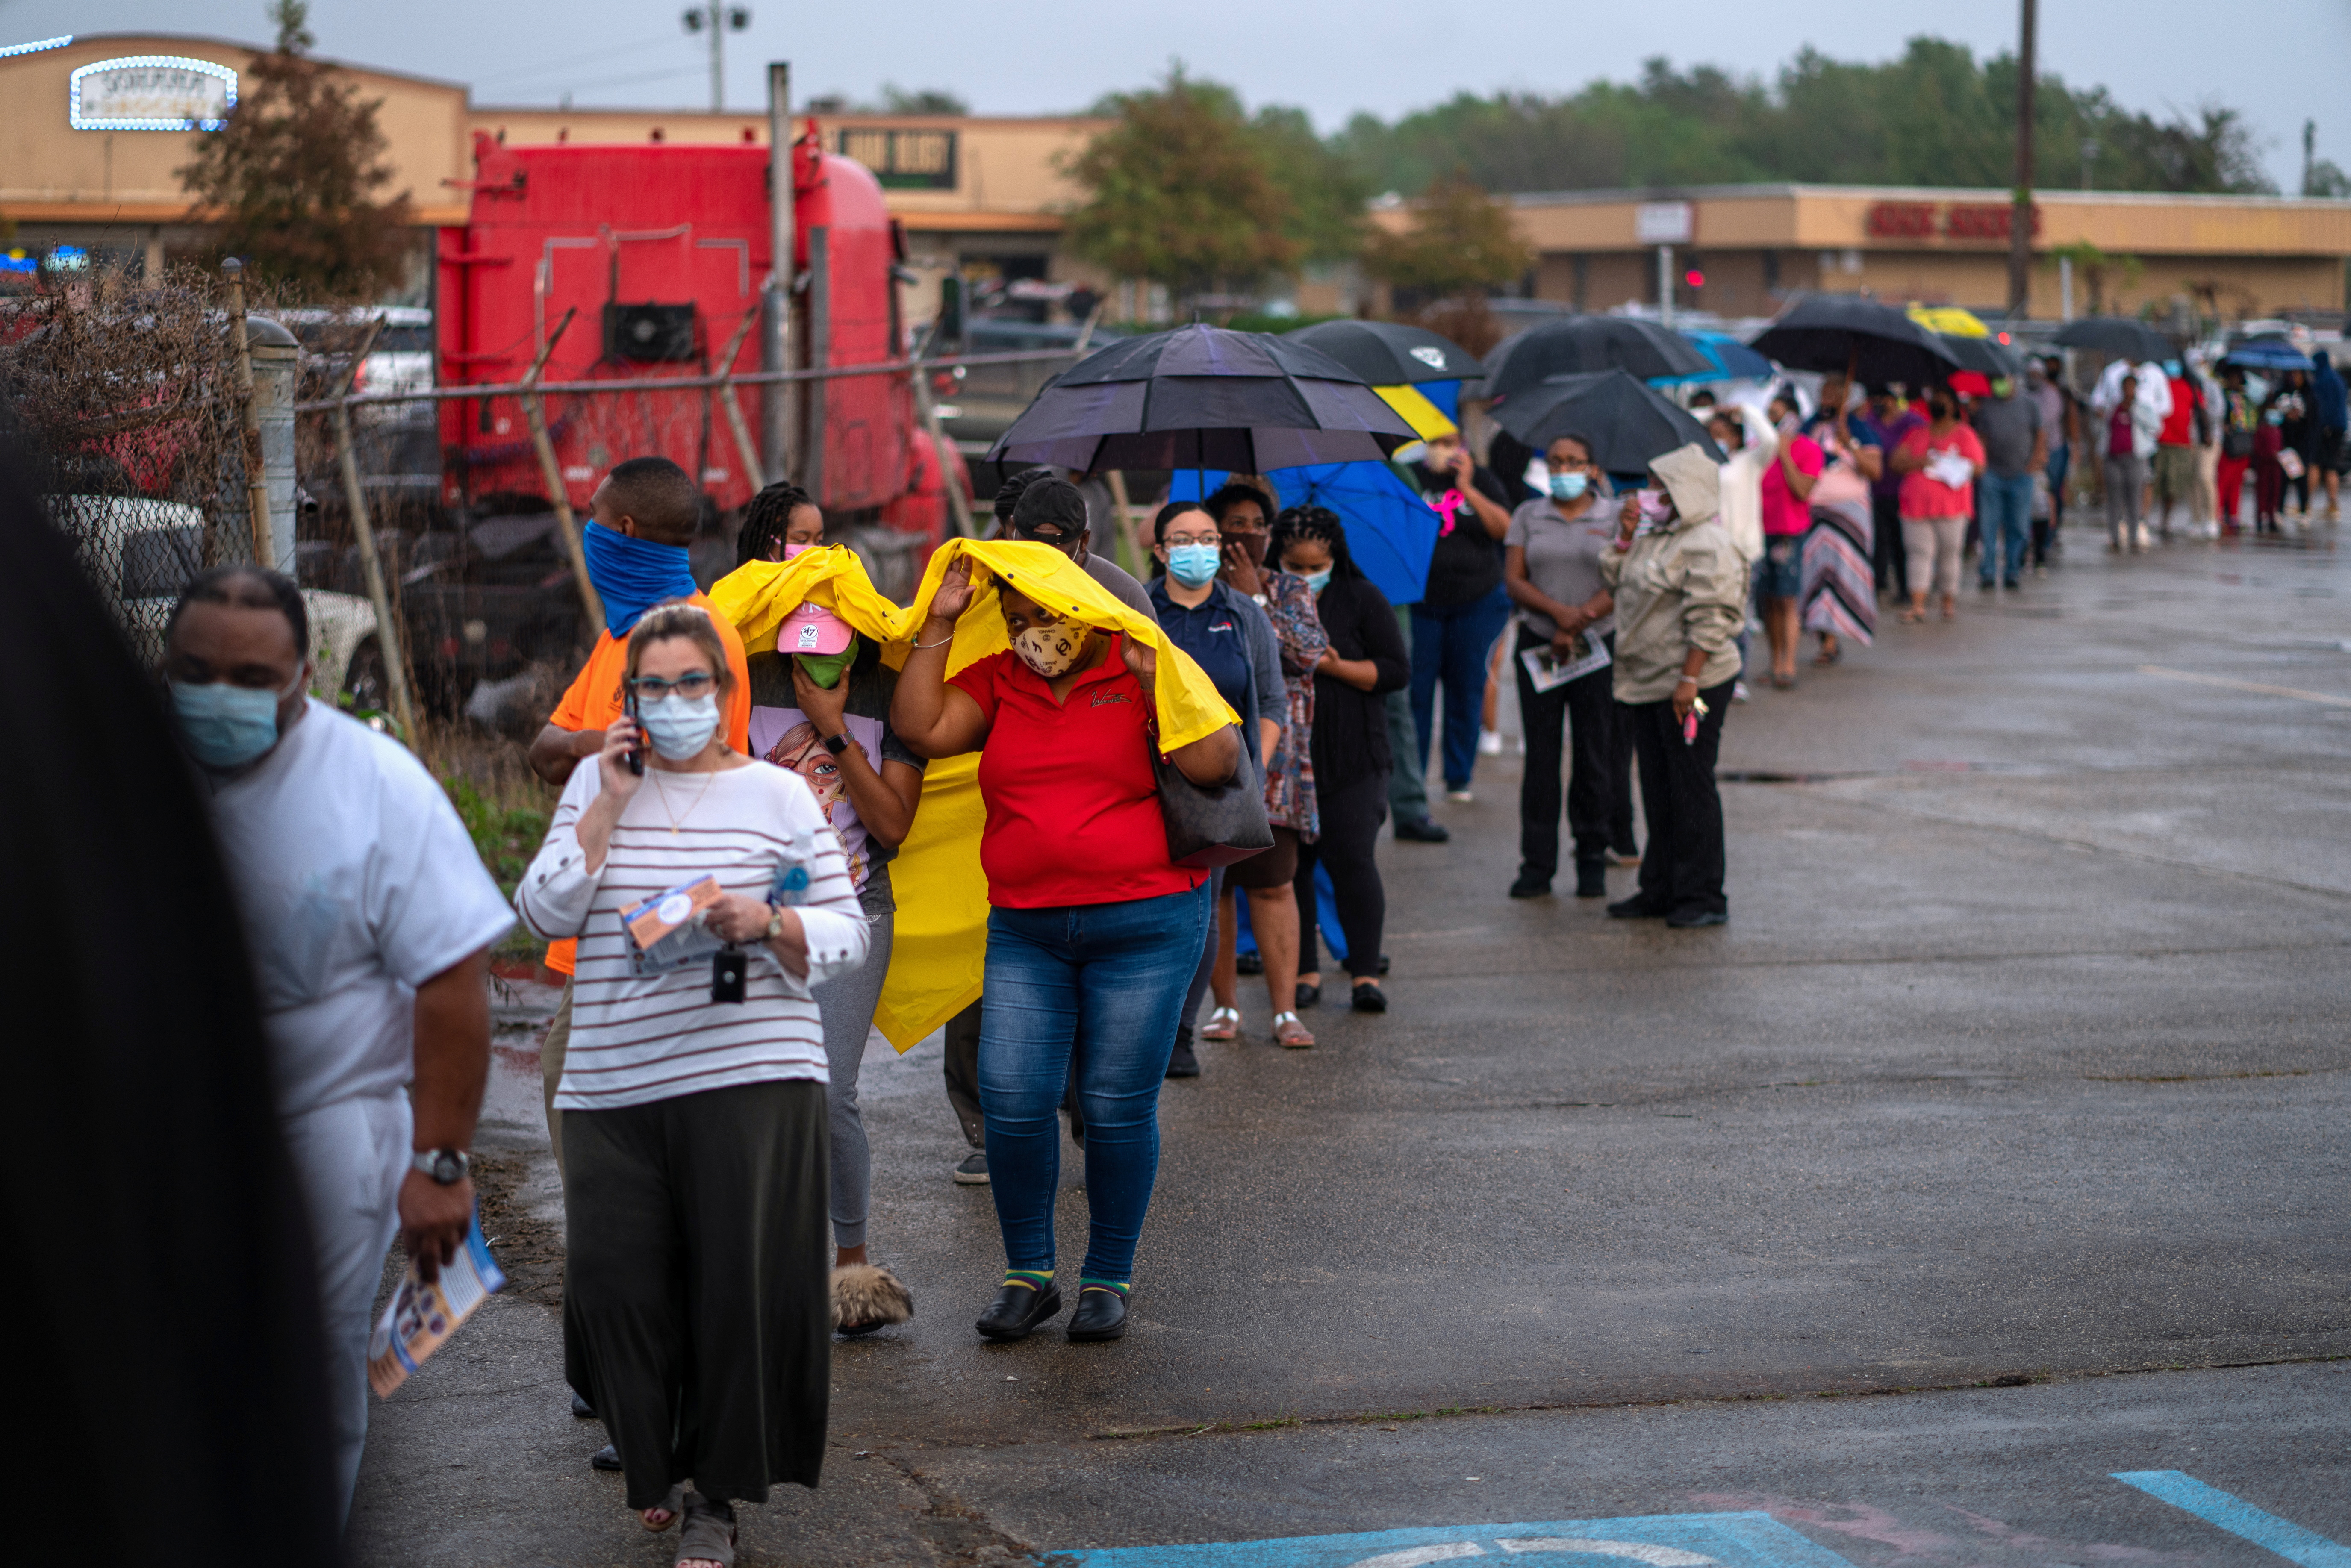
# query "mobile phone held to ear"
(637, 750)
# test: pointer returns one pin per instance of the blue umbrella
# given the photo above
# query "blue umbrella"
(1734, 361)
(2268, 353)
(1391, 531)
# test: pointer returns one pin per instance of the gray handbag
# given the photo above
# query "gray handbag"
(1214, 825)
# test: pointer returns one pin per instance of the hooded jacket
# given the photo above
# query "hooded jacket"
(1679, 586)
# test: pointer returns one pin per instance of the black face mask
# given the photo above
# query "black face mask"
(1940, 409)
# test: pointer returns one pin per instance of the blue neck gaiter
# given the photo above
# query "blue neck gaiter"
(632, 576)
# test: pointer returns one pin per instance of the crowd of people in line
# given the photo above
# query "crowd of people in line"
(751, 782)
(746, 791)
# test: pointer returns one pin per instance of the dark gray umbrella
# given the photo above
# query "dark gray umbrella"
(1628, 421)
(2116, 336)
(1203, 397)
(1573, 345)
(1983, 354)
(1390, 353)
(1837, 333)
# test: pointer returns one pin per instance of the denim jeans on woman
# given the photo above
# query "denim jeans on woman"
(2007, 522)
(1112, 974)
(1450, 645)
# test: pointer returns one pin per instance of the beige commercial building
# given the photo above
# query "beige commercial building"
(93, 130)
(1740, 250)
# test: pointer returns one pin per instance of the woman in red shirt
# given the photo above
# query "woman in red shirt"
(1938, 463)
(1093, 930)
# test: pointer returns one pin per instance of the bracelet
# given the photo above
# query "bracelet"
(940, 643)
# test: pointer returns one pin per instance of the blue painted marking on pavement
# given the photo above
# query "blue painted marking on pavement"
(1655, 1541)
(2213, 1506)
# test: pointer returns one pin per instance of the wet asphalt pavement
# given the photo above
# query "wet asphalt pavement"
(2022, 1061)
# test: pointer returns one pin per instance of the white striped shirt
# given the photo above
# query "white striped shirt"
(638, 1039)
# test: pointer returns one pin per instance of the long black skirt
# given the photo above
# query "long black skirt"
(697, 1291)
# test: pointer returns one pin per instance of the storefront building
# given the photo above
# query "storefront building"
(93, 130)
(1740, 250)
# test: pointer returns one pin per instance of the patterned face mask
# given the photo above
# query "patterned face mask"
(1053, 648)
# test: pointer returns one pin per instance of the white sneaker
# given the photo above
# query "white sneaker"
(1462, 797)
(1490, 743)
(1739, 693)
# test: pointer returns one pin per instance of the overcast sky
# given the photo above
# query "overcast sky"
(2278, 61)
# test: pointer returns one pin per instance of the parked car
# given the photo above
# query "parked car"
(141, 553)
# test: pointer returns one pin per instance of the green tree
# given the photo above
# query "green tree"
(896, 99)
(1325, 193)
(1460, 243)
(1935, 115)
(1181, 191)
(294, 176)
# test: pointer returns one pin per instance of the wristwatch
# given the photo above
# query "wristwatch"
(836, 744)
(447, 1166)
(775, 920)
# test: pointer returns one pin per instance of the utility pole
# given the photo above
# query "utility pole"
(776, 398)
(2309, 156)
(718, 20)
(2020, 222)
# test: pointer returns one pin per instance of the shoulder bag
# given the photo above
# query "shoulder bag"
(1216, 825)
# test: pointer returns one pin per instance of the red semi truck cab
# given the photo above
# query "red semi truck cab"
(662, 250)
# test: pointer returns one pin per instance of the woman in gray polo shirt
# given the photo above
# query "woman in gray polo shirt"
(1552, 572)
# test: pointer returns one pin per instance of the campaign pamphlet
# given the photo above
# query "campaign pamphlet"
(665, 931)
(422, 1316)
(1548, 671)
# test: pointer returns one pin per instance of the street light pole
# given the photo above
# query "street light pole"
(719, 18)
(2020, 222)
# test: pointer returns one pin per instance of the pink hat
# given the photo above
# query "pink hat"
(813, 628)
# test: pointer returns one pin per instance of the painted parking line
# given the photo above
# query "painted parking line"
(1658, 1540)
(2210, 1504)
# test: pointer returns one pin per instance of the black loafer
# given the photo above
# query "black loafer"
(1018, 1311)
(607, 1458)
(1309, 993)
(1369, 1000)
(1530, 885)
(1101, 1315)
(1685, 919)
(1591, 881)
(1184, 1061)
(581, 1410)
(1635, 908)
(1421, 830)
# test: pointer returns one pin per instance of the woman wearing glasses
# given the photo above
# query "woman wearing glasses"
(697, 1313)
(1566, 618)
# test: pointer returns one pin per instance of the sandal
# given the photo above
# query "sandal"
(709, 1533)
(1224, 1023)
(673, 1505)
(1288, 1032)
(1827, 656)
(1913, 617)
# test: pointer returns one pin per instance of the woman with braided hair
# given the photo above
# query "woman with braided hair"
(1366, 660)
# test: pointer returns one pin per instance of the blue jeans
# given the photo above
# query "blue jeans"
(2007, 518)
(1451, 646)
(1115, 975)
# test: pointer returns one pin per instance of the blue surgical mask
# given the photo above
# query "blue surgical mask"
(1569, 486)
(226, 727)
(1316, 580)
(680, 727)
(1194, 566)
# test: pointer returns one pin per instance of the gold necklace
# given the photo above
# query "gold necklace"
(661, 793)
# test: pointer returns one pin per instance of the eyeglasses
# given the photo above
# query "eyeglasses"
(1172, 540)
(689, 685)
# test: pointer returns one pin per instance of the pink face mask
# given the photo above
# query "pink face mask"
(1652, 505)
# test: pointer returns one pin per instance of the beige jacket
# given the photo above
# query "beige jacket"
(1682, 587)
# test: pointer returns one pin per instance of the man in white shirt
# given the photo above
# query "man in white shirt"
(369, 920)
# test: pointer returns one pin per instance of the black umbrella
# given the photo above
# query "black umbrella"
(1982, 354)
(1628, 421)
(1203, 397)
(1839, 333)
(1390, 353)
(2113, 335)
(1573, 345)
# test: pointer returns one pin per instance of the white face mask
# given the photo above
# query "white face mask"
(680, 727)
(1053, 648)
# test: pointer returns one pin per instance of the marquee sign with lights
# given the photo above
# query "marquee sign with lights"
(150, 92)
